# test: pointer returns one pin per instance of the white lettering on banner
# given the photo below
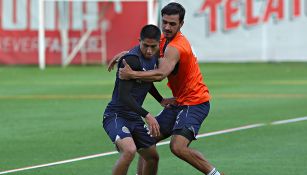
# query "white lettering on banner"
(53, 45)
(14, 14)
(85, 17)
(50, 15)
(4, 44)
(23, 15)
(22, 45)
(236, 13)
(25, 44)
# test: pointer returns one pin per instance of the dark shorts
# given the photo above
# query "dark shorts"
(118, 128)
(179, 117)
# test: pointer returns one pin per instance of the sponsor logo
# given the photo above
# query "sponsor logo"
(231, 14)
(125, 130)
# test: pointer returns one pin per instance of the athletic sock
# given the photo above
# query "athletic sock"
(214, 172)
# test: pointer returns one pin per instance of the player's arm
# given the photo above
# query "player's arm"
(115, 60)
(125, 86)
(166, 66)
(155, 93)
(165, 102)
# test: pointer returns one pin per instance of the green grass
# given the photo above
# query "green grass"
(55, 114)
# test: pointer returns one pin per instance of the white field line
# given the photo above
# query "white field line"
(59, 162)
(289, 121)
(159, 144)
(220, 132)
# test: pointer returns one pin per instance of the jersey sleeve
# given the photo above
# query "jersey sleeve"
(125, 86)
(155, 93)
(133, 62)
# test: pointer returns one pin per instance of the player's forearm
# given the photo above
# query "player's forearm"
(153, 75)
(125, 97)
(155, 93)
(129, 101)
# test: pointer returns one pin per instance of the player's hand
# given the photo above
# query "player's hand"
(168, 102)
(126, 73)
(115, 60)
(154, 128)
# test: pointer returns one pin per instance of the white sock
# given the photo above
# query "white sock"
(214, 172)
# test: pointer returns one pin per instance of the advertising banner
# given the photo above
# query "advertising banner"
(121, 24)
(246, 30)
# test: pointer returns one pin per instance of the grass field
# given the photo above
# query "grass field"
(54, 115)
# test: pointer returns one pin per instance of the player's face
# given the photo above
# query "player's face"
(170, 25)
(149, 47)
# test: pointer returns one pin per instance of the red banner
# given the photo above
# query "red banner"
(19, 29)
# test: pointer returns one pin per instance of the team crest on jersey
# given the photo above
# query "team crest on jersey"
(125, 130)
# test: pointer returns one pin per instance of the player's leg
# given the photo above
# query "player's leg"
(179, 147)
(127, 150)
(150, 160)
(118, 130)
(186, 127)
(140, 165)
(166, 120)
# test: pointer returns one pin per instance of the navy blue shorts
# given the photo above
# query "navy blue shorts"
(179, 117)
(118, 128)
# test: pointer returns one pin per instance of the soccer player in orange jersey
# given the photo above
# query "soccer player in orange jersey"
(179, 64)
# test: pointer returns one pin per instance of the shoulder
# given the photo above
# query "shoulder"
(132, 60)
(181, 43)
(180, 40)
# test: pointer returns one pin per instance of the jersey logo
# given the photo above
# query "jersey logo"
(125, 130)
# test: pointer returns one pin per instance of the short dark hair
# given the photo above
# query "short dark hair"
(174, 8)
(151, 32)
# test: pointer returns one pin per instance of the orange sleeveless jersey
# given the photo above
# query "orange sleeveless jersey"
(187, 85)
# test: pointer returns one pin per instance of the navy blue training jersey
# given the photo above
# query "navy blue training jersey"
(139, 90)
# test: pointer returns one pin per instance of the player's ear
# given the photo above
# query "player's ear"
(181, 24)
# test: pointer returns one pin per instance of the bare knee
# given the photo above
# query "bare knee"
(178, 148)
(152, 158)
(128, 153)
(175, 148)
(150, 155)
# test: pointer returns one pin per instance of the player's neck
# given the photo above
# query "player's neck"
(171, 38)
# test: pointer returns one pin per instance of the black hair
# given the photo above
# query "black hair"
(151, 32)
(174, 8)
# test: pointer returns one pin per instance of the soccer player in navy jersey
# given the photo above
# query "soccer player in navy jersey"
(123, 116)
(179, 64)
